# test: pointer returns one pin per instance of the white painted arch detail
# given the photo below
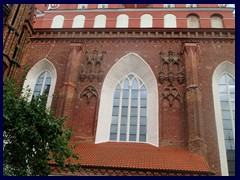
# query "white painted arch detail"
(146, 21)
(78, 21)
(130, 63)
(100, 21)
(170, 21)
(122, 21)
(224, 67)
(57, 21)
(35, 72)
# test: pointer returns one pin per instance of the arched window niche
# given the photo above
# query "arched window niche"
(131, 69)
(41, 79)
(223, 86)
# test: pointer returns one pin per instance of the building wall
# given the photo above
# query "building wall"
(173, 123)
(189, 121)
(157, 12)
(16, 32)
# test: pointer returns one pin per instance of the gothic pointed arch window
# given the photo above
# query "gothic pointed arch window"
(41, 79)
(128, 109)
(224, 107)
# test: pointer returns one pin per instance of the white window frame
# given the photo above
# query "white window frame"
(225, 67)
(130, 63)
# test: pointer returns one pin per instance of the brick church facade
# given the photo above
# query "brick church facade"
(148, 89)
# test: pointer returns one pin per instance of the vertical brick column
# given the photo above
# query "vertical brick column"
(68, 92)
(16, 32)
(193, 101)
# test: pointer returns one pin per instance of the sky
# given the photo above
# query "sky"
(233, 6)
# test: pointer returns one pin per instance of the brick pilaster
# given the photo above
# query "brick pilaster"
(69, 92)
(196, 142)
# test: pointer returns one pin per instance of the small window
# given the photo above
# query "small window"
(170, 21)
(82, 6)
(78, 21)
(169, 5)
(191, 5)
(193, 21)
(100, 21)
(216, 21)
(57, 21)
(122, 21)
(102, 6)
(146, 21)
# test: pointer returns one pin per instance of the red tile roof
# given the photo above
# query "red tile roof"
(140, 156)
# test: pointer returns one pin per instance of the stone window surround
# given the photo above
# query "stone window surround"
(33, 74)
(224, 67)
(124, 66)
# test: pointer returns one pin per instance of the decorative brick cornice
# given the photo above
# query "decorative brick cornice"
(111, 171)
(178, 34)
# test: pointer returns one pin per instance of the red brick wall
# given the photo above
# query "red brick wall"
(134, 16)
(173, 126)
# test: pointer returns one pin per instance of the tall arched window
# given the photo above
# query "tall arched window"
(57, 21)
(78, 21)
(224, 107)
(146, 21)
(100, 21)
(193, 21)
(122, 21)
(129, 110)
(170, 21)
(216, 21)
(41, 79)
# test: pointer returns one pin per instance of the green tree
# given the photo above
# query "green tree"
(32, 135)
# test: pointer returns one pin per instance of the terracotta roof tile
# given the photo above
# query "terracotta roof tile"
(139, 155)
